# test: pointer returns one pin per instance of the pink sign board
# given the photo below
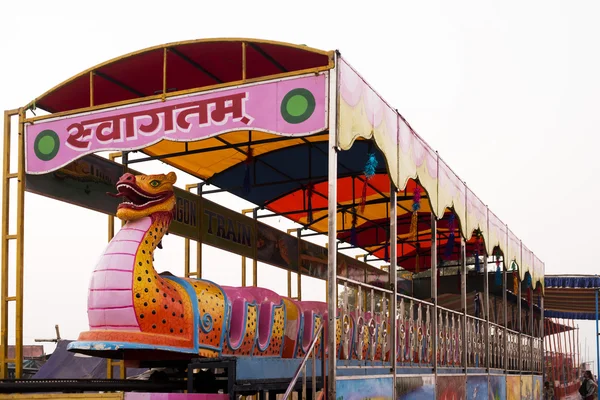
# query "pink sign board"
(288, 107)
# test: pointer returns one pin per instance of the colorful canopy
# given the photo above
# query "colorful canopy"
(285, 171)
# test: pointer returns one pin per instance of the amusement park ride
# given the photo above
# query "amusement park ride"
(458, 311)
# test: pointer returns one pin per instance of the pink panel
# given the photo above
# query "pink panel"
(139, 225)
(116, 261)
(118, 246)
(109, 299)
(111, 280)
(123, 318)
(130, 234)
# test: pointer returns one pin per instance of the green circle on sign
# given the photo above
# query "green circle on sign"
(297, 105)
(46, 145)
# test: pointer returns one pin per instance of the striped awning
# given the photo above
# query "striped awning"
(571, 296)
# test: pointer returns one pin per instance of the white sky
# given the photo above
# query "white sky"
(506, 91)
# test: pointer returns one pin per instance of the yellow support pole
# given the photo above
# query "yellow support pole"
(244, 212)
(122, 370)
(91, 88)
(164, 82)
(4, 298)
(289, 273)
(243, 61)
(20, 247)
(111, 234)
(198, 273)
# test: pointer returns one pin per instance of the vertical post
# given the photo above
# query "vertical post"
(187, 242)
(486, 308)
(254, 260)
(244, 212)
(542, 333)
(199, 242)
(332, 231)
(531, 368)
(394, 278)
(91, 88)
(111, 234)
(519, 311)
(20, 247)
(569, 349)
(243, 61)
(186, 247)
(578, 353)
(6, 237)
(463, 300)
(289, 273)
(505, 311)
(597, 339)
(299, 275)
(434, 318)
(164, 75)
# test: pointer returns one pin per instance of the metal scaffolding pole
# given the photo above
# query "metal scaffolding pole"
(505, 311)
(597, 339)
(463, 302)
(332, 233)
(394, 279)
(434, 319)
(519, 312)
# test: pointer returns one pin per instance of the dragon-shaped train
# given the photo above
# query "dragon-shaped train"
(138, 314)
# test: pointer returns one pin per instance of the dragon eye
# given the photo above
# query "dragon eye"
(154, 183)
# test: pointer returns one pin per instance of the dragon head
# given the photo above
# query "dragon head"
(145, 195)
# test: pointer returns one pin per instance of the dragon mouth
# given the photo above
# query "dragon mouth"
(137, 199)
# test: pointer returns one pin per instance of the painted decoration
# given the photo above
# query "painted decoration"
(513, 387)
(415, 388)
(526, 387)
(276, 247)
(288, 107)
(538, 387)
(135, 310)
(227, 229)
(313, 260)
(363, 389)
(477, 387)
(451, 387)
(497, 387)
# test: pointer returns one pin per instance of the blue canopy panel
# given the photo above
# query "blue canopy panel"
(571, 296)
(277, 173)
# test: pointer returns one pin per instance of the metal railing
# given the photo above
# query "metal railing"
(496, 342)
(365, 321)
(415, 332)
(461, 341)
(451, 337)
(512, 350)
(312, 353)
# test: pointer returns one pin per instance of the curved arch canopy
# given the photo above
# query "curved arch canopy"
(287, 175)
